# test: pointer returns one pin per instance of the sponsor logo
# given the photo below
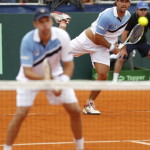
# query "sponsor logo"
(121, 78)
(132, 78)
(115, 25)
(101, 27)
(36, 52)
(25, 57)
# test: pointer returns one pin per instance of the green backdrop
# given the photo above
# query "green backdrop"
(14, 26)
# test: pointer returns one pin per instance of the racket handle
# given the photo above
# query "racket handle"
(121, 46)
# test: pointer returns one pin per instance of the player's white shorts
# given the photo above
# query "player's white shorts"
(25, 98)
(82, 45)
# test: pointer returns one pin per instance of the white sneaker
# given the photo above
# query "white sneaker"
(89, 109)
(58, 16)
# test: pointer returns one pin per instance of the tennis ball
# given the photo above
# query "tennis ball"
(143, 21)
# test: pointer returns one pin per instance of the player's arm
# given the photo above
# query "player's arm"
(103, 25)
(100, 40)
(67, 60)
(66, 56)
(30, 74)
(26, 58)
(68, 68)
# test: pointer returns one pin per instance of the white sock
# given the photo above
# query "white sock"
(79, 144)
(90, 101)
(6, 147)
(115, 76)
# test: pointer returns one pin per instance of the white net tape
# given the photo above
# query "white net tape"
(75, 84)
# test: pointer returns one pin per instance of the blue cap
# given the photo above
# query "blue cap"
(142, 4)
(41, 12)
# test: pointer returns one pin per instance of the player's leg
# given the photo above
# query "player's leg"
(102, 74)
(25, 99)
(70, 103)
(101, 62)
(120, 61)
(117, 69)
(76, 124)
(75, 114)
(15, 125)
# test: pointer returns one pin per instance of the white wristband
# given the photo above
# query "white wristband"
(64, 77)
(112, 47)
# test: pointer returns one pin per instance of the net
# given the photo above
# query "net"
(123, 122)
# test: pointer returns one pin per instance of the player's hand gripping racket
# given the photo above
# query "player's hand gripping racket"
(134, 36)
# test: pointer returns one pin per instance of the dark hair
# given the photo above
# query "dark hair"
(115, 3)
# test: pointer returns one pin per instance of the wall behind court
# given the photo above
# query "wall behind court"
(16, 25)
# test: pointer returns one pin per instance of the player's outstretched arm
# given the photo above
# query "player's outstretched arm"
(100, 40)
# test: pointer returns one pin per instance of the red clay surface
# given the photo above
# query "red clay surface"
(124, 123)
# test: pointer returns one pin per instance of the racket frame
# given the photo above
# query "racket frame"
(126, 41)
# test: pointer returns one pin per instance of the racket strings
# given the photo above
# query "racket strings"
(136, 34)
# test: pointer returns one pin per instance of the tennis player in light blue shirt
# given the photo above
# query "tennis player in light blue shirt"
(48, 44)
(99, 40)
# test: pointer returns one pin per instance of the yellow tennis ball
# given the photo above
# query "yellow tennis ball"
(143, 21)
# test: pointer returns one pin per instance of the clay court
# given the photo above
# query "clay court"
(124, 123)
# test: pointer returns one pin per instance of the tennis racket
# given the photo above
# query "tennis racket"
(134, 36)
(46, 69)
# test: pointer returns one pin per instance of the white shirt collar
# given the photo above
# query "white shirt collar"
(36, 37)
(115, 12)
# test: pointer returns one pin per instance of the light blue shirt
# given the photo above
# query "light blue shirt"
(109, 24)
(33, 52)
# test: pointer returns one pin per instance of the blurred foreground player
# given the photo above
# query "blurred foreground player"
(53, 44)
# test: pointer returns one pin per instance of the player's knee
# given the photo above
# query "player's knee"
(102, 76)
(75, 113)
(20, 115)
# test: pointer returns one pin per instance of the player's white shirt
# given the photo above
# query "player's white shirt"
(32, 52)
(109, 25)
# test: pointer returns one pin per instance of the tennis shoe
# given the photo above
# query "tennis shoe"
(58, 16)
(90, 109)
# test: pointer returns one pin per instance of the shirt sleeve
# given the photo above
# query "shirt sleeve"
(102, 24)
(26, 56)
(66, 53)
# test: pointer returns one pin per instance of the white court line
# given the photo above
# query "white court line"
(140, 142)
(136, 111)
(113, 141)
(31, 114)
